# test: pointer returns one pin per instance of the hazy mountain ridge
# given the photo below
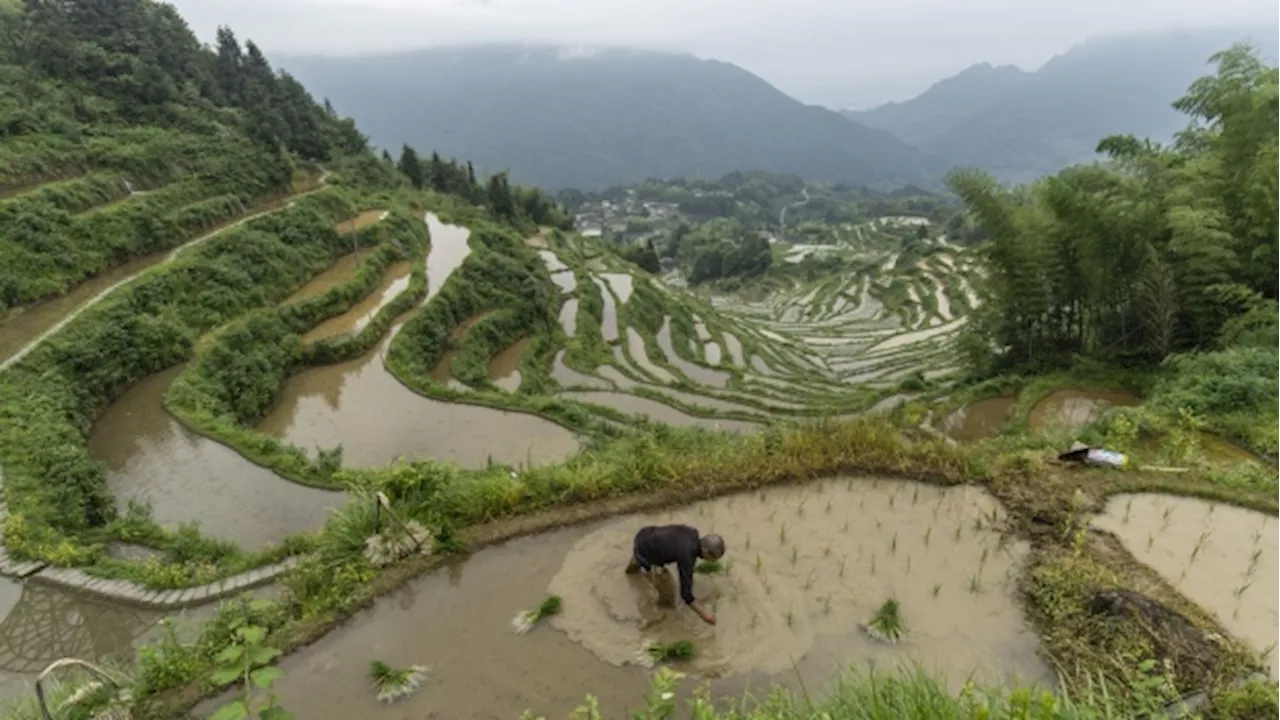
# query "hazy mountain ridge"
(572, 118)
(1020, 125)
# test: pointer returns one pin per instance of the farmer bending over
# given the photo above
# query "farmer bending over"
(680, 544)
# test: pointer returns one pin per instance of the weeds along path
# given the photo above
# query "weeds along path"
(174, 254)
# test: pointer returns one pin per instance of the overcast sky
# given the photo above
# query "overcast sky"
(839, 53)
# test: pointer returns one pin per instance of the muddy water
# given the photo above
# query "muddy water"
(636, 346)
(917, 336)
(449, 249)
(621, 284)
(361, 406)
(360, 222)
(568, 377)
(696, 373)
(1074, 409)
(785, 590)
(42, 624)
(189, 478)
(734, 345)
(456, 620)
(658, 412)
(711, 351)
(553, 263)
(569, 317)
(978, 420)
(609, 321)
(1234, 572)
(340, 272)
(362, 313)
(504, 368)
(565, 280)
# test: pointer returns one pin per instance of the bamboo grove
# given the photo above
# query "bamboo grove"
(1161, 249)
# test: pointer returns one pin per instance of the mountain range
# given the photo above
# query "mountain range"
(1020, 125)
(558, 117)
(589, 120)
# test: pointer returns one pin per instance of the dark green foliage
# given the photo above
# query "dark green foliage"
(723, 248)
(644, 256)
(48, 400)
(1156, 253)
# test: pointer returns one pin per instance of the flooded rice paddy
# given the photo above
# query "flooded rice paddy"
(359, 405)
(636, 346)
(338, 273)
(394, 282)
(609, 321)
(568, 377)
(697, 373)
(443, 371)
(188, 478)
(917, 336)
(711, 351)
(569, 317)
(1222, 557)
(363, 408)
(1072, 409)
(360, 222)
(504, 367)
(607, 615)
(978, 420)
(621, 283)
(660, 412)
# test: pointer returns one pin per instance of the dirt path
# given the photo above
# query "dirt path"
(173, 255)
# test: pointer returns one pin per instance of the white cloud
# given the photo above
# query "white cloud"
(835, 52)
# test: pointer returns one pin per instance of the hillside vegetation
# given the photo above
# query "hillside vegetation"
(120, 135)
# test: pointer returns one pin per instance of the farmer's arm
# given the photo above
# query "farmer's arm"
(685, 566)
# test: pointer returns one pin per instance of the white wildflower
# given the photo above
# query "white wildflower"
(401, 683)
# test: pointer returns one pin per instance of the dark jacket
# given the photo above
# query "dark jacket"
(666, 544)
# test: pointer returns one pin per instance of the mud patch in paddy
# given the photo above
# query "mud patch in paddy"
(360, 222)
(978, 420)
(187, 477)
(1222, 557)
(635, 343)
(362, 313)
(443, 371)
(658, 412)
(696, 373)
(504, 367)
(1074, 409)
(785, 587)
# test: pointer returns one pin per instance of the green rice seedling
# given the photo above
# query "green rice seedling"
(891, 499)
(937, 588)
(768, 587)
(845, 528)
(928, 531)
(985, 552)
(1253, 562)
(848, 486)
(800, 507)
(893, 545)
(795, 554)
(747, 541)
(977, 524)
(1127, 507)
(759, 563)
(862, 503)
(755, 619)
(710, 567)
(772, 515)
(1267, 651)
(828, 508)
(873, 564)
(524, 620)
(1242, 589)
(886, 625)
(975, 583)
(842, 563)
(958, 529)
(915, 496)
(879, 524)
(666, 652)
(1151, 540)
(1195, 551)
(826, 552)
(791, 618)
(782, 534)
(908, 564)
(391, 684)
(808, 581)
